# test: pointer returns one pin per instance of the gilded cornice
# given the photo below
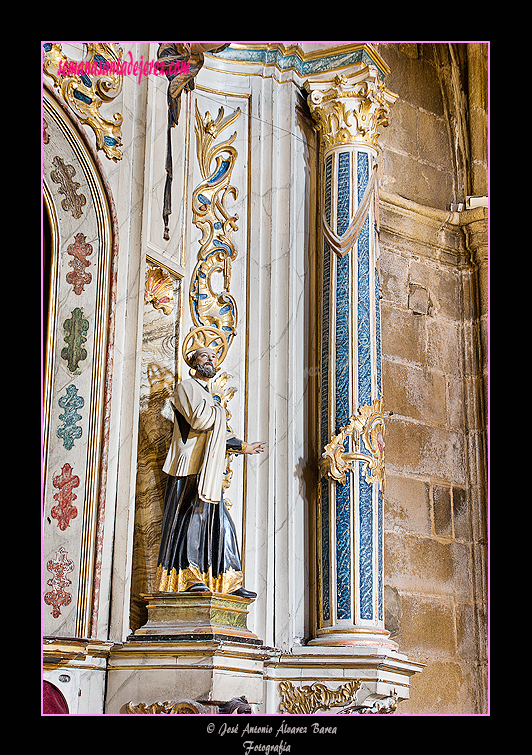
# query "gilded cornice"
(58, 652)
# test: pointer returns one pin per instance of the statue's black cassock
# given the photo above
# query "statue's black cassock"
(198, 538)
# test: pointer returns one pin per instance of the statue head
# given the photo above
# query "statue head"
(205, 361)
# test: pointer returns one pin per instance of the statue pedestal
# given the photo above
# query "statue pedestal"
(194, 650)
(188, 616)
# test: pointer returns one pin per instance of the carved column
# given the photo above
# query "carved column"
(348, 109)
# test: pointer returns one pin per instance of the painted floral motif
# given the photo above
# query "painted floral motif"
(70, 403)
(75, 329)
(79, 252)
(63, 175)
(65, 483)
(59, 566)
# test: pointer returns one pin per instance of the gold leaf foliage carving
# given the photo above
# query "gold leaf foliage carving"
(183, 707)
(312, 698)
(349, 109)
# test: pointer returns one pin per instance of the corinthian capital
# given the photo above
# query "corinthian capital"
(349, 108)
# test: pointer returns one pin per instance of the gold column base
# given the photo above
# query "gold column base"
(185, 615)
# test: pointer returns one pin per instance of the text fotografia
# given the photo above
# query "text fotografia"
(277, 731)
(99, 66)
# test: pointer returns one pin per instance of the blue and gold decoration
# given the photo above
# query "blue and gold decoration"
(347, 111)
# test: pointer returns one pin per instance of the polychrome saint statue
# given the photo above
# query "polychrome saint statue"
(199, 551)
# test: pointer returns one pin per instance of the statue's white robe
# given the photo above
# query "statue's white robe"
(203, 451)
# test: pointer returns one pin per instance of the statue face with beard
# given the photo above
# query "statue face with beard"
(205, 363)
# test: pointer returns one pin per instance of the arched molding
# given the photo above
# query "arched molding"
(79, 339)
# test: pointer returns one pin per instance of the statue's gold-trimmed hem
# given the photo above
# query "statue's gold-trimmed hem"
(184, 579)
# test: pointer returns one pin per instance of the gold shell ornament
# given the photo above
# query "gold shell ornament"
(159, 290)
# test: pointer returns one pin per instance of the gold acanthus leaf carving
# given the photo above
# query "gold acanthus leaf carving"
(366, 426)
(312, 698)
(170, 707)
(349, 109)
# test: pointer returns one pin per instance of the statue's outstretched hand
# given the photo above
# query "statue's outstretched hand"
(255, 448)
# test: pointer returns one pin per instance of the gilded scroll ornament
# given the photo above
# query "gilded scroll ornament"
(211, 216)
(367, 432)
(183, 707)
(182, 62)
(315, 697)
(235, 706)
(349, 109)
(86, 85)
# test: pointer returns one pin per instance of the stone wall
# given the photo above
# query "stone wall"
(433, 362)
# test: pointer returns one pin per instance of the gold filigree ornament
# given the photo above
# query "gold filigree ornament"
(204, 337)
(87, 85)
(216, 223)
(311, 698)
(367, 432)
(159, 290)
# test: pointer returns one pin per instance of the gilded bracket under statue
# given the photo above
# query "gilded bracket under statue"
(367, 432)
